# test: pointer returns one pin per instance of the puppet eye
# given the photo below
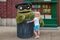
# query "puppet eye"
(20, 8)
(28, 7)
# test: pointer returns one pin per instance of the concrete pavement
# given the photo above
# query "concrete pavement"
(9, 33)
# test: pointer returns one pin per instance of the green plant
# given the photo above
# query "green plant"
(41, 22)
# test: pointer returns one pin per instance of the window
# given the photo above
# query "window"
(44, 8)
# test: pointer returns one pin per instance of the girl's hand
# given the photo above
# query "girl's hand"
(28, 21)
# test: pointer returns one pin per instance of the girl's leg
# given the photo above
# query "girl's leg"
(38, 32)
(35, 32)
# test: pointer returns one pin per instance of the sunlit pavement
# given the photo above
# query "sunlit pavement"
(9, 33)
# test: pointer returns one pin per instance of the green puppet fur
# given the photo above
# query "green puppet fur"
(21, 17)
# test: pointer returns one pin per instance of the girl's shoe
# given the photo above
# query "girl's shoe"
(37, 37)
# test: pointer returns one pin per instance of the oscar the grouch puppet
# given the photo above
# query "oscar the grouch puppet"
(24, 13)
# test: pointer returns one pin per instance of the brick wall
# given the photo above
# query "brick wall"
(2, 9)
(7, 9)
(8, 12)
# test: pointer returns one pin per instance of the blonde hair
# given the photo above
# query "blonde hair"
(37, 13)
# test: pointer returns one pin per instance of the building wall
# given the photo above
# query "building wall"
(8, 12)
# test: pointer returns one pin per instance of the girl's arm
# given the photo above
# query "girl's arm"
(30, 21)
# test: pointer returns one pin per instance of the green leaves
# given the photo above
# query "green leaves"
(41, 22)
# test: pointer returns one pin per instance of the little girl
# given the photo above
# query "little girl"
(36, 24)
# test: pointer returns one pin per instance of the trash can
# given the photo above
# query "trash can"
(25, 30)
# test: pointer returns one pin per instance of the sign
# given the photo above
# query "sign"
(47, 0)
(3, 0)
(42, 16)
(47, 16)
